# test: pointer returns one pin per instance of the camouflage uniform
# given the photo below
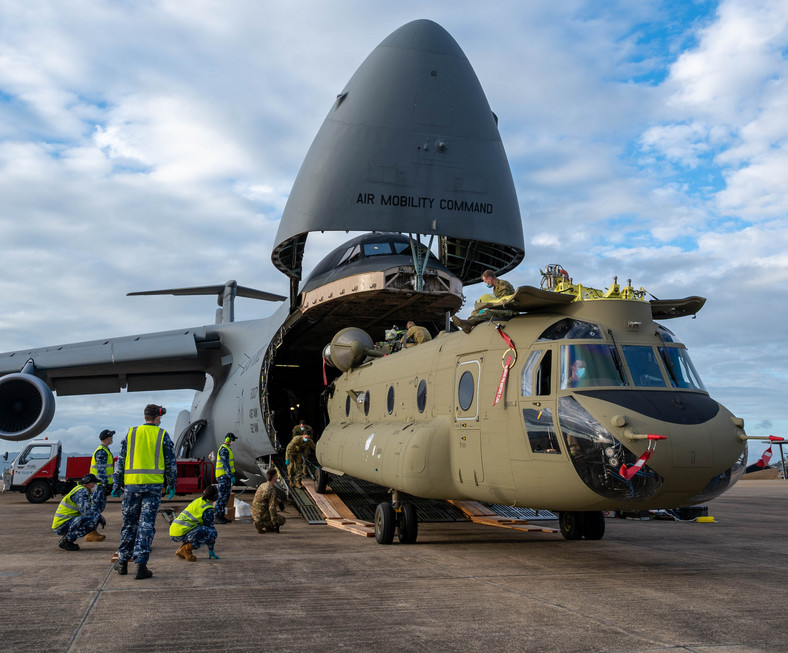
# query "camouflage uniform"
(296, 453)
(415, 335)
(224, 483)
(141, 504)
(88, 505)
(264, 512)
(502, 289)
(199, 535)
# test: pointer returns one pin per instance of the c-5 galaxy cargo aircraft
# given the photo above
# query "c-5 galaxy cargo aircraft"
(410, 155)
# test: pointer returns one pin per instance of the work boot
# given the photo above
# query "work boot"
(185, 553)
(276, 529)
(221, 519)
(143, 571)
(68, 546)
(121, 566)
(461, 324)
(259, 528)
(95, 536)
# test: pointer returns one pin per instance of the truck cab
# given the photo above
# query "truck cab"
(35, 470)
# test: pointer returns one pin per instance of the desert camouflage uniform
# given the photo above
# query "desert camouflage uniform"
(296, 453)
(141, 504)
(502, 289)
(264, 512)
(415, 335)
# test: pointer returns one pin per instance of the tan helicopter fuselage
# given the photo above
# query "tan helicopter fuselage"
(423, 420)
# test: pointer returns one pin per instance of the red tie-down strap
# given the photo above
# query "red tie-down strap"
(325, 378)
(629, 472)
(507, 360)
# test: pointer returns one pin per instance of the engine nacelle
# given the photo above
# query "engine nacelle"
(27, 406)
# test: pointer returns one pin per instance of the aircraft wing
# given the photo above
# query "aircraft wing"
(167, 360)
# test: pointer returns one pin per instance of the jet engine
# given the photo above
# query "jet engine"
(27, 406)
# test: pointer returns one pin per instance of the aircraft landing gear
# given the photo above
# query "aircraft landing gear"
(321, 479)
(578, 525)
(396, 515)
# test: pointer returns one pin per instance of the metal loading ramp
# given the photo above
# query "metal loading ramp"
(480, 513)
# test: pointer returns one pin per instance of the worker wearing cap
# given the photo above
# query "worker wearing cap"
(146, 465)
(297, 451)
(77, 514)
(264, 513)
(194, 526)
(225, 477)
(102, 466)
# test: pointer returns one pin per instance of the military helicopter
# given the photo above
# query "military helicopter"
(580, 402)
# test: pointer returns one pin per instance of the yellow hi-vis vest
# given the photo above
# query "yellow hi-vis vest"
(67, 508)
(110, 464)
(220, 470)
(144, 462)
(190, 518)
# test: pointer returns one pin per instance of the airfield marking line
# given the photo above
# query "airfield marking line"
(89, 610)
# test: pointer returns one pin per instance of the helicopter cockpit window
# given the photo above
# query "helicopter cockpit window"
(643, 366)
(666, 334)
(540, 429)
(527, 378)
(681, 371)
(585, 366)
(569, 328)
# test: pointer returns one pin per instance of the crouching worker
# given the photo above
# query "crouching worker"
(194, 526)
(264, 512)
(79, 513)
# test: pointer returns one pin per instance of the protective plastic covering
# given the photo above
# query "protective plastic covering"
(410, 145)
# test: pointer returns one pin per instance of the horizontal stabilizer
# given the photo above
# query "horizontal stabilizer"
(218, 290)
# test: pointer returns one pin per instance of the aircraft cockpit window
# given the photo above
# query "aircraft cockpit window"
(465, 390)
(643, 366)
(401, 248)
(527, 379)
(376, 249)
(541, 431)
(569, 328)
(666, 334)
(390, 400)
(585, 366)
(681, 371)
(535, 379)
(421, 396)
(350, 255)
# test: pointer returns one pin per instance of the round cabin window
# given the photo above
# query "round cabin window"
(390, 400)
(366, 403)
(465, 390)
(347, 406)
(421, 396)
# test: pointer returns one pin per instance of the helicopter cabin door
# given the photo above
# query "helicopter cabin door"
(466, 437)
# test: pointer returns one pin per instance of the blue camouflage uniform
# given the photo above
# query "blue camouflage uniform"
(78, 525)
(224, 478)
(199, 533)
(99, 468)
(141, 502)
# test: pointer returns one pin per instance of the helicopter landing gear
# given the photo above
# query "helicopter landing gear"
(399, 516)
(578, 525)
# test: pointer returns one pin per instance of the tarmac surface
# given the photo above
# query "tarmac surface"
(647, 586)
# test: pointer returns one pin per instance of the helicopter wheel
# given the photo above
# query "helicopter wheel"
(321, 479)
(593, 525)
(571, 524)
(408, 526)
(385, 522)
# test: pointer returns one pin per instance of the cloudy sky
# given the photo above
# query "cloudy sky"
(153, 144)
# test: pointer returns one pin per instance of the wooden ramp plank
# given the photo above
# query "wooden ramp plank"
(363, 528)
(481, 514)
(337, 513)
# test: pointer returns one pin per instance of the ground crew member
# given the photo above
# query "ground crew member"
(102, 466)
(501, 289)
(225, 477)
(415, 335)
(296, 452)
(146, 465)
(194, 526)
(264, 503)
(78, 515)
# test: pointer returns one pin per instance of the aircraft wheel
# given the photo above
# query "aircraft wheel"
(385, 521)
(408, 526)
(593, 525)
(38, 491)
(571, 524)
(321, 479)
